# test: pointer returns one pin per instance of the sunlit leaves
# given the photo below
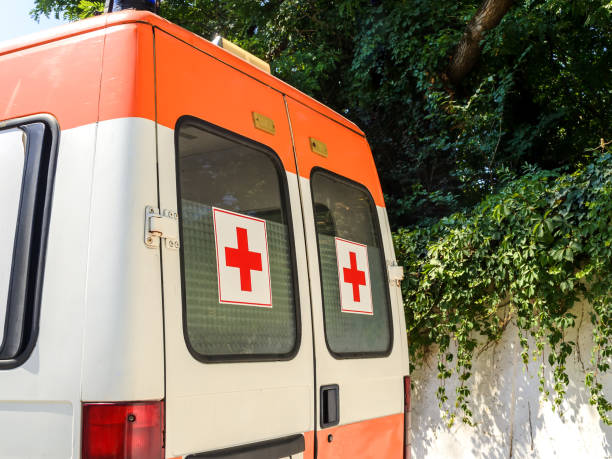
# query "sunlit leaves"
(526, 254)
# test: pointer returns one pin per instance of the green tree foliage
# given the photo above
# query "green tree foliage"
(527, 253)
(68, 9)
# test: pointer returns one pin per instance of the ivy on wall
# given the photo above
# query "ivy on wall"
(526, 254)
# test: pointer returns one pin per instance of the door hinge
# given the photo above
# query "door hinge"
(396, 274)
(158, 226)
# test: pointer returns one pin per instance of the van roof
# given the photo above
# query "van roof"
(145, 17)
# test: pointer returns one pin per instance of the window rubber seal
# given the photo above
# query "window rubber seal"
(22, 321)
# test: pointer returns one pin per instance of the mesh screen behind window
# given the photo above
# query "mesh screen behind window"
(209, 177)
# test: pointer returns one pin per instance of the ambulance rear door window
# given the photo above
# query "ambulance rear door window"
(12, 160)
(356, 302)
(237, 257)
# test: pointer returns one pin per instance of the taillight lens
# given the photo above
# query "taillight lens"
(406, 417)
(123, 430)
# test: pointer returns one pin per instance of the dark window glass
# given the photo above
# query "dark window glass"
(353, 276)
(220, 176)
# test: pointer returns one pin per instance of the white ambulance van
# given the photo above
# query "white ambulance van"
(195, 257)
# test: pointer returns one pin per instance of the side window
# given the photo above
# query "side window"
(27, 165)
(237, 257)
(356, 302)
(12, 159)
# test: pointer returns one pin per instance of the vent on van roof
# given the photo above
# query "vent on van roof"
(238, 51)
(118, 5)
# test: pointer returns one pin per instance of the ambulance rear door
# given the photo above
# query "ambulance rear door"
(360, 341)
(239, 352)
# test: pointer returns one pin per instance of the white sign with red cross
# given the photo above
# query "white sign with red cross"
(243, 266)
(354, 277)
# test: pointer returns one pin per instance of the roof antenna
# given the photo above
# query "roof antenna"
(118, 5)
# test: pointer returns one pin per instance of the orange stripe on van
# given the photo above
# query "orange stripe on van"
(309, 442)
(103, 68)
(127, 88)
(60, 78)
(349, 154)
(373, 439)
(191, 83)
(146, 18)
(63, 77)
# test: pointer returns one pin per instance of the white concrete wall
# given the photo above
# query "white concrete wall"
(513, 420)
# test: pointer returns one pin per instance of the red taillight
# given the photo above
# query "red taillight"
(406, 417)
(123, 430)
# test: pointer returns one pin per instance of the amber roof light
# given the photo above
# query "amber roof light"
(241, 53)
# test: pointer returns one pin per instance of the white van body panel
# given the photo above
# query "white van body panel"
(371, 387)
(206, 404)
(37, 430)
(40, 401)
(123, 350)
(101, 326)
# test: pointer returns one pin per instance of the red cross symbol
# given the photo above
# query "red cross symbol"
(242, 259)
(353, 276)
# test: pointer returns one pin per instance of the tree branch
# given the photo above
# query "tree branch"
(467, 52)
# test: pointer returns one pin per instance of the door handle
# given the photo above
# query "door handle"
(330, 405)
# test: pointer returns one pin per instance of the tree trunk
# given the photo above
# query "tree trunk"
(467, 52)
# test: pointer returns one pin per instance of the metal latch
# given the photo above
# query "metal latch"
(159, 226)
(396, 274)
